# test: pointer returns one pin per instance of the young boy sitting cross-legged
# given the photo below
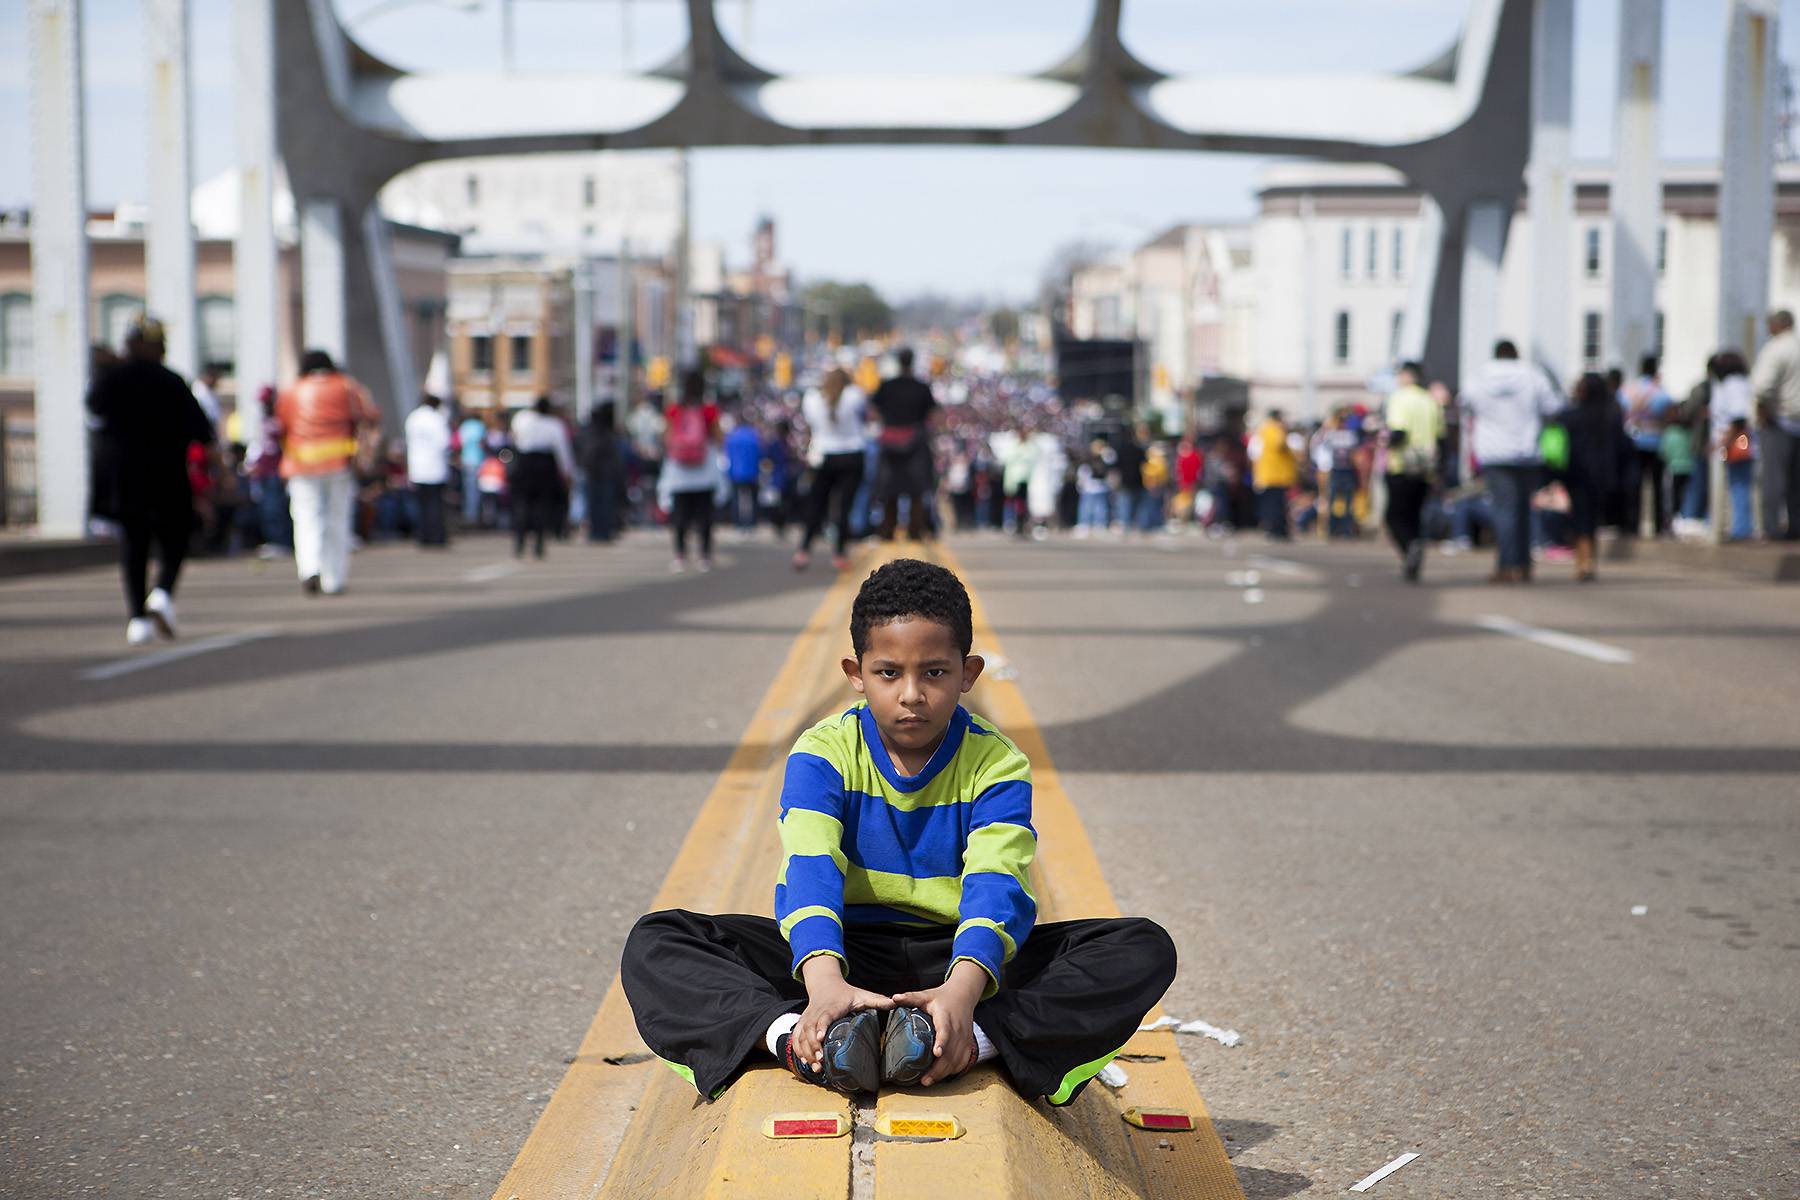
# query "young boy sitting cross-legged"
(904, 949)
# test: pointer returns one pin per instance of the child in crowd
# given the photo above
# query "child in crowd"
(903, 948)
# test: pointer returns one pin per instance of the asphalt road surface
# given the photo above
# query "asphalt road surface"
(1510, 878)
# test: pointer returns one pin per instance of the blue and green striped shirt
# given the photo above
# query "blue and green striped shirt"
(949, 846)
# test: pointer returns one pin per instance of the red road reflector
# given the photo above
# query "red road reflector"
(806, 1125)
(919, 1125)
(1163, 1120)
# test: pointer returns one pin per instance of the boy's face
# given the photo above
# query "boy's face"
(914, 674)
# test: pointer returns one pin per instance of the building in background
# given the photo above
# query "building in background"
(1308, 303)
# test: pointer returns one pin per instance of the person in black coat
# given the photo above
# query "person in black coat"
(1598, 449)
(147, 420)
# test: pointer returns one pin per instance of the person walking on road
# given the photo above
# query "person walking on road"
(690, 469)
(543, 461)
(428, 466)
(604, 466)
(904, 469)
(472, 434)
(1735, 441)
(836, 412)
(1415, 425)
(324, 418)
(1776, 384)
(1508, 401)
(743, 462)
(147, 421)
(1273, 470)
(1600, 452)
(1646, 406)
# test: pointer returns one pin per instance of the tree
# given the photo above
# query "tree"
(853, 311)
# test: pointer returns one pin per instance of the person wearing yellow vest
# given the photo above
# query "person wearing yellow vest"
(1273, 470)
(1415, 425)
(322, 417)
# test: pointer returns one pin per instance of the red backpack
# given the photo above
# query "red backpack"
(687, 435)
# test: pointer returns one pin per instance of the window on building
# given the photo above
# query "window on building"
(519, 354)
(1394, 335)
(117, 312)
(481, 353)
(1590, 258)
(588, 192)
(1590, 339)
(15, 334)
(1347, 253)
(1373, 265)
(472, 189)
(218, 332)
(1399, 252)
(1656, 337)
(1662, 249)
(1340, 337)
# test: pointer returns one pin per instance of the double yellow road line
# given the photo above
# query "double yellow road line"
(622, 1125)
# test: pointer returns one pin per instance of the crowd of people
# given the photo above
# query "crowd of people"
(1512, 458)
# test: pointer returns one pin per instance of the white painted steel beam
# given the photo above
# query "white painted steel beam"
(402, 383)
(1484, 241)
(169, 240)
(1635, 198)
(1747, 181)
(59, 266)
(255, 258)
(583, 339)
(1422, 273)
(1550, 194)
(324, 322)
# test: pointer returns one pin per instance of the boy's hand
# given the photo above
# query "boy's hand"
(828, 997)
(951, 1007)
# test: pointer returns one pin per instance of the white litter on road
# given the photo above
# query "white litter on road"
(1566, 642)
(491, 572)
(1114, 1076)
(1243, 579)
(1253, 595)
(175, 653)
(1640, 910)
(1280, 566)
(1225, 1037)
(1369, 1181)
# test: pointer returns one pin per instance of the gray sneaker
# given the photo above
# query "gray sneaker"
(906, 1046)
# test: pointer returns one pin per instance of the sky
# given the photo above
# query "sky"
(911, 220)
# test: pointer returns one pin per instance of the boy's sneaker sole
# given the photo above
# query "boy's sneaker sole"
(853, 1053)
(906, 1046)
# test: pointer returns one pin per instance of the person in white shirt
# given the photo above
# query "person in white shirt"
(544, 466)
(428, 466)
(836, 413)
(1508, 401)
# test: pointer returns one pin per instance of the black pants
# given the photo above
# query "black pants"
(535, 487)
(705, 989)
(692, 510)
(1647, 466)
(431, 514)
(169, 526)
(833, 489)
(1405, 509)
(1585, 505)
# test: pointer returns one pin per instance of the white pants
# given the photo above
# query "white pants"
(321, 508)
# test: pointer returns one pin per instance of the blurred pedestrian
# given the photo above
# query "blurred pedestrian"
(1734, 441)
(1507, 401)
(543, 463)
(428, 467)
(268, 491)
(836, 415)
(1415, 424)
(1273, 471)
(147, 419)
(472, 436)
(1600, 451)
(328, 423)
(743, 467)
(1776, 384)
(604, 465)
(1646, 406)
(905, 471)
(690, 475)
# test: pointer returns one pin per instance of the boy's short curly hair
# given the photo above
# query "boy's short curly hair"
(908, 587)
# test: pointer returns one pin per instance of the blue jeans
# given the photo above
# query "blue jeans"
(1509, 490)
(471, 495)
(1153, 504)
(1693, 503)
(1740, 478)
(1125, 507)
(277, 526)
(1341, 497)
(1092, 510)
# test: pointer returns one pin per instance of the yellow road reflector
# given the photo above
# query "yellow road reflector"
(806, 1125)
(1163, 1120)
(926, 1125)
